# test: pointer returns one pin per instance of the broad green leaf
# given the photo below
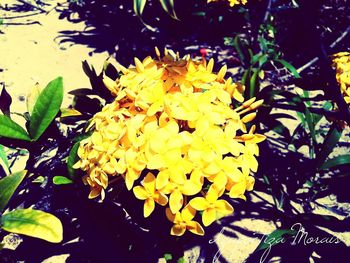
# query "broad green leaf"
(32, 97)
(59, 180)
(340, 160)
(10, 129)
(8, 186)
(290, 67)
(34, 223)
(3, 159)
(46, 108)
(272, 239)
(168, 6)
(331, 140)
(139, 5)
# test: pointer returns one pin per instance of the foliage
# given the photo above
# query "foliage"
(45, 109)
(34, 223)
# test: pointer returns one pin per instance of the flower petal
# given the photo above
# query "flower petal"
(140, 192)
(169, 215)
(177, 230)
(237, 190)
(199, 203)
(188, 213)
(148, 207)
(162, 179)
(223, 207)
(195, 228)
(149, 182)
(209, 216)
(190, 188)
(160, 198)
(175, 201)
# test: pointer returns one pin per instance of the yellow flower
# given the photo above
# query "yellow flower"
(232, 2)
(183, 221)
(342, 64)
(212, 207)
(173, 119)
(149, 193)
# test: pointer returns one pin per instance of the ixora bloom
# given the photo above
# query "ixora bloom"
(232, 2)
(171, 133)
(342, 64)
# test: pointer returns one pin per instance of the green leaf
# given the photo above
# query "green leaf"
(5, 101)
(331, 140)
(282, 116)
(59, 180)
(3, 159)
(8, 186)
(82, 92)
(168, 6)
(238, 45)
(310, 123)
(290, 67)
(46, 108)
(69, 112)
(32, 98)
(317, 117)
(139, 5)
(10, 129)
(254, 83)
(34, 223)
(181, 260)
(39, 180)
(246, 77)
(72, 159)
(340, 160)
(272, 239)
(168, 256)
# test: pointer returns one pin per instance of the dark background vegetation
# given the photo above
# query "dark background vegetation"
(115, 231)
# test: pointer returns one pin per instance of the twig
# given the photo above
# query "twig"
(314, 60)
(268, 8)
(25, 24)
(13, 17)
(34, 6)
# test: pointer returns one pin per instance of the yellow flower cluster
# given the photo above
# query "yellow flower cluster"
(171, 133)
(232, 2)
(342, 64)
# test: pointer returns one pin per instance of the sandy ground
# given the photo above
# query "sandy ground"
(30, 53)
